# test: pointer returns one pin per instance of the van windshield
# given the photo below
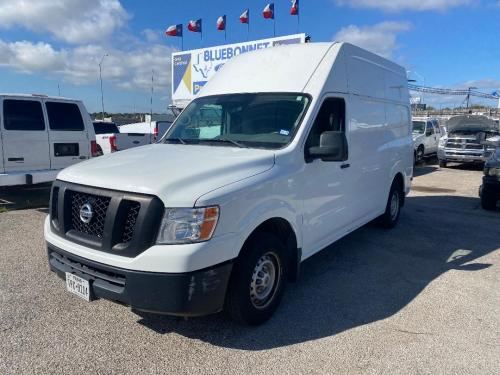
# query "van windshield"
(419, 127)
(240, 120)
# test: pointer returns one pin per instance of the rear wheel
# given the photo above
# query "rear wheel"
(393, 208)
(488, 202)
(258, 280)
(419, 154)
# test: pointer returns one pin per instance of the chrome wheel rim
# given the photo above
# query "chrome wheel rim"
(394, 205)
(265, 280)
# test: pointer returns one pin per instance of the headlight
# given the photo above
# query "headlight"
(187, 225)
(494, 172)
(442, 141)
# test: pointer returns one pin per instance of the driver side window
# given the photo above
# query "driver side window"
(331, 117)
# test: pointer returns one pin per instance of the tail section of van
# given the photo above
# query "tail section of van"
(39, 136)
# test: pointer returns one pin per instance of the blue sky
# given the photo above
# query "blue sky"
(43, 43)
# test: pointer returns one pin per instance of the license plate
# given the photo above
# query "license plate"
(78, 286)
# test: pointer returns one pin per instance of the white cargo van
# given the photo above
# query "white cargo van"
(283, 152)
(40, 135)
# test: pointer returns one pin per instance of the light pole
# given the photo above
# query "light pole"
(468, 95)
(100, 77)
(419, 76)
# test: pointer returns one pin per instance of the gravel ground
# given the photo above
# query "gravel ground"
(423, 298)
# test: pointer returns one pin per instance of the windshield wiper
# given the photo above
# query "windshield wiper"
(177, 140)
(224, 140)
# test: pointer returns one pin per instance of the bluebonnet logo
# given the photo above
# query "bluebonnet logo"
(203, 69)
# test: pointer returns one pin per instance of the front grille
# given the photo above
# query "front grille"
(130, 221)
(99, 206)
(108, 220)
(54, 206)
(463, 144)
(473, 147)
(455, 144)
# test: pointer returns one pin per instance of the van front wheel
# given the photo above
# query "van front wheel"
(393, 208)
(258, 280)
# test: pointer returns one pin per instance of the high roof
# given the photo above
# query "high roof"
(278, 69)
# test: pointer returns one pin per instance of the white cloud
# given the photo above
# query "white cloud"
(129, 69)
(399, 5)
(380, 38)
(482, 84)
(151, 35)
(72, 21)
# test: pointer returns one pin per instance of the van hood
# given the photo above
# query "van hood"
(177, 174)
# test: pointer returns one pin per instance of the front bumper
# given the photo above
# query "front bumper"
(462, 156)
(194, 293)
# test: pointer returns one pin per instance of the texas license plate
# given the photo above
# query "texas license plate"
(78, 286)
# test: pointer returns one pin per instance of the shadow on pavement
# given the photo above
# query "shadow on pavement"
(23, 197)
(367, 276)
(422, 170)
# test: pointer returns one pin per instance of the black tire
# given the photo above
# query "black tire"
(442, 164)
(99, 151)
(390, 217)
(488, 202)
(419, 154)
(243, 304)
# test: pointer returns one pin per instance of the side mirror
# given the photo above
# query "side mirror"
(428, 132)
(332, 147)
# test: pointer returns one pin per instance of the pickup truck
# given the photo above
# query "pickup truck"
(462, 143)
(254, 176)
(426, 134)
(110, 139)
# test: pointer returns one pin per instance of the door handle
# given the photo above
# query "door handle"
(15, 159)
(344, 166)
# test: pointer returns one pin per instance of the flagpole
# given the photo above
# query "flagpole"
(182, 42)
(274, 22)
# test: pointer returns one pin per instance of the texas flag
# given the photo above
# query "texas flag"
(294, 11)
(221, 23)
(194, 26)
(174, 30)
(245, 16)
(268, 11)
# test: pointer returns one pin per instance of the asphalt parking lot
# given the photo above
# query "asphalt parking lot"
(423, 298)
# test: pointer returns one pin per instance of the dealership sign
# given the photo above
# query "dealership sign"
(191, 70)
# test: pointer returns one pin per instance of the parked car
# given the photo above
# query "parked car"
(462, 144)
(426, 135)
(105, 135)
(40, 135)
(154, 130)
(254, 176)
(490, 189)
(110, 139)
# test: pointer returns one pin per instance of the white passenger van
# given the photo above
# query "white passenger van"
(283, 152)
(40, 135)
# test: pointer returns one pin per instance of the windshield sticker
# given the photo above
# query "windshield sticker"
(284, 132)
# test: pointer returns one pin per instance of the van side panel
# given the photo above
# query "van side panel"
(2, 170)
(24, 135)
(69, 141)
(370, 150)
